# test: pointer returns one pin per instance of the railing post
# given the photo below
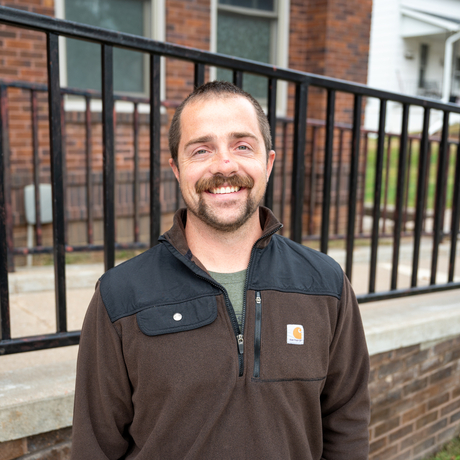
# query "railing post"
(455, 219)
(136, 173)
(108, 134)
(327, 180)
(238, 78)
(6, 177)
(155, 149)
(4, 173)
(298, 164)
(57, 179)
(36, 163)
(353, 183)
(421, 194)
(377, 194)
(198, 78)
(402, 165)
(272, 122)
(441, 184)
(89, 176)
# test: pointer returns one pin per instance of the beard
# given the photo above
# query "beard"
(208, 214)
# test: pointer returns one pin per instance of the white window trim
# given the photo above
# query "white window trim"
(156, 30)
(281, 51)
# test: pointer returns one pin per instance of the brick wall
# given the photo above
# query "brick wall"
(415, 393)
(54, 445)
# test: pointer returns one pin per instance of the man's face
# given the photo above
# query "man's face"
(222, 161)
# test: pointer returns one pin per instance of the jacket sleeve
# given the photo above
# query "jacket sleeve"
(345, 396)
(103, 410)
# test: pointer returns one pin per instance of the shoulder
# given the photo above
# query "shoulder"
(292, 267)
(155, 277)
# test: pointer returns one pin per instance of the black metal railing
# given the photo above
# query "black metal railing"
(293, 162)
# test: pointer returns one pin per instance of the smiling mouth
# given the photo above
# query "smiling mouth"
(224, 190)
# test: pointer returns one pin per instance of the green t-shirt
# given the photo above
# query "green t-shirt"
(234, 284)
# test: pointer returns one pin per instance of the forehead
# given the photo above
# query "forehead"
(218, 115)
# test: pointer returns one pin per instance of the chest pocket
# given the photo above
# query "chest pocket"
(292, 333)
(177, 317)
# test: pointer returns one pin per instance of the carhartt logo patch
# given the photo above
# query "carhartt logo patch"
(295, 334)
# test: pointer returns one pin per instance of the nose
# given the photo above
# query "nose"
(224, 163)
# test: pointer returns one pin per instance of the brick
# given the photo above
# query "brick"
(387, 426)
(415, 386)
(425, 420)
(12, 449)
(435, 402)
(442, 374)
(438, 426)
(401, 433)
(423, 446)
(416, 358)
(377, 445)
(455, 417)
(386, 454)
(450, 407)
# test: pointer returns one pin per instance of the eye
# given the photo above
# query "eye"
(243, 147)
(200, 152)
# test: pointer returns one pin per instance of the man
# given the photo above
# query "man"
(225, 341)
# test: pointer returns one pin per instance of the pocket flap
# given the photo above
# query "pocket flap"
(184, 316)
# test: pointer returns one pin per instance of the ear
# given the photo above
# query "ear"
(174, 168)
(271, 160)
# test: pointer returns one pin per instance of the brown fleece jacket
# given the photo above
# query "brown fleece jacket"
(160, 374)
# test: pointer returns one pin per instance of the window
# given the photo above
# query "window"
(81, 61)
(252, 29)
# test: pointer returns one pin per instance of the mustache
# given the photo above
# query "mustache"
(208, 183)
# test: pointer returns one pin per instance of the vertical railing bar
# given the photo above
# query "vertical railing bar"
(155, 149)
(455, 218)
(238, 78)
(427, 184)
(439, 196)
(377, 194)
(357, 110)
(136, 172)
(406, 199)
(4, 252)
(327, 181)
(402, 165)
(89, 176)
(338, 183)
(312, 197)
(36, 167)
(298, 164)
(198, 78)
(57, 180)
(283, 173)
(108, 133)
(271, 115)
(387, 182)
(421, 191)
(64, 166)
(444, 194)
(7, 177)
(363, 189)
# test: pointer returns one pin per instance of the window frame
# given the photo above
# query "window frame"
(280, 40)
(154, 26)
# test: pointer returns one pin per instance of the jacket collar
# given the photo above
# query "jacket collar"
(176, 235)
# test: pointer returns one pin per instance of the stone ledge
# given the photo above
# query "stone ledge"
(36, 400)
(39, 399)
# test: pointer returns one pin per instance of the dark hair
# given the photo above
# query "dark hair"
(219, 89)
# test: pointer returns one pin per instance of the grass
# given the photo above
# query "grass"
(413, 172)
(450, 452)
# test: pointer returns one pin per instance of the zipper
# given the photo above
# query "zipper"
(257, 335)
(231, 312)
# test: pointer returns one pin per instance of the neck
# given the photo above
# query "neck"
(222, 252)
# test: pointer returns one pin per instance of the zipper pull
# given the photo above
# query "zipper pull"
(258, 299)
(240, 340)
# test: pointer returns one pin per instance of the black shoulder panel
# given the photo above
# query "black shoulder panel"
(153, 278)
(290, 267)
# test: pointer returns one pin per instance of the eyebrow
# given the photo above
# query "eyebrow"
(210, 138)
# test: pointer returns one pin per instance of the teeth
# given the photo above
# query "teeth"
(222, 190)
